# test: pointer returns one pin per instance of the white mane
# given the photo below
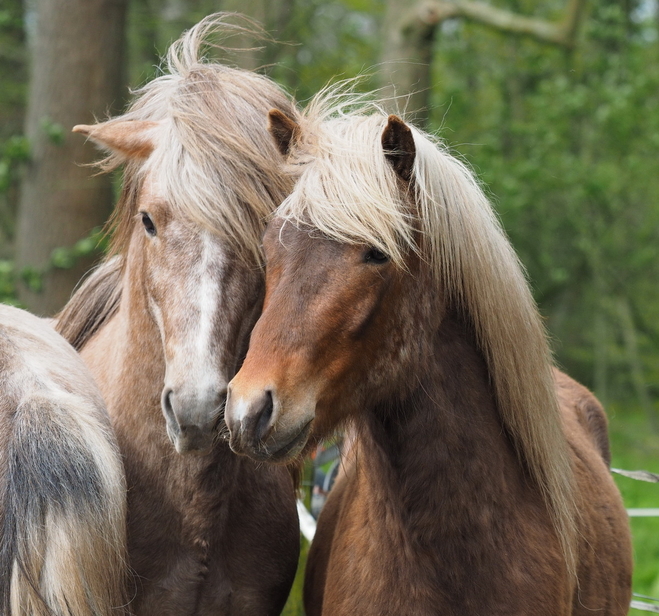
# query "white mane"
(214, 158)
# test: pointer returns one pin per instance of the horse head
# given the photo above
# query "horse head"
(201, 295)
(335, 334)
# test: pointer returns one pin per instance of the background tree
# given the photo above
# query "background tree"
(410, 31)
(76, 75)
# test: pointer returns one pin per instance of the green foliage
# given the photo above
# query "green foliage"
(13, 74)
(566, 143)
(61, 258)
(294, 605)
(13, 152)
(54, 131)
(634, 447)
(7, 283)
(330, 40)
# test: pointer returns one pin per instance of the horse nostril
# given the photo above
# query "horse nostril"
(265, 416)
(167, 403)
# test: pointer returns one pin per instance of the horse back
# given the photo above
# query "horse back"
(604, 551)
(62, 491)
(587, 410)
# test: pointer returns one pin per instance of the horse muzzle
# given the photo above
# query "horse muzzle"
(192, 423)
(262, 429)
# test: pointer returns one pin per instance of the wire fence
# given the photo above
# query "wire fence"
(642, 603)
(644, 606)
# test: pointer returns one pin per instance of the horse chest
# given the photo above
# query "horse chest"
(372, 578)
(199, 547)
(453, 561)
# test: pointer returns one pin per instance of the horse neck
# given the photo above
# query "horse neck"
(440, 457)
(127, 361)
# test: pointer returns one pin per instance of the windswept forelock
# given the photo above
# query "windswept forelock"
(347, 189)
(214, 159)
(212, 32)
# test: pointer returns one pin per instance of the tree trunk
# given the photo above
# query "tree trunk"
(76, 76)
(406, 59)
(409, 30)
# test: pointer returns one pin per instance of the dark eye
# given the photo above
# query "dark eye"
(148, 224)
(373, 255)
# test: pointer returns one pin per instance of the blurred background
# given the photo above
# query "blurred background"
(554, 104)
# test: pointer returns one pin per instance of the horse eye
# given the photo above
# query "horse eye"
(373, 255)
(148, 224)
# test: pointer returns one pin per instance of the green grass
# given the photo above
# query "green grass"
(294, 604)
(634, 446)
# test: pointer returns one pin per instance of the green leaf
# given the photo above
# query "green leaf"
(33, 278)
(63, 258)
(53, 130)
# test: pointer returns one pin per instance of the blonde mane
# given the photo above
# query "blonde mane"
(214, 158)
(347, 189)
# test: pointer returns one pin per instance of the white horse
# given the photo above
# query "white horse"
(62, 487)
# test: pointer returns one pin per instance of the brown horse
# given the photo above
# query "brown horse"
(163, 325)
(479, 483)
(62, 488)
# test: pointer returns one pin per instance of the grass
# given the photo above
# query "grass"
(634, 446)
(294, 604)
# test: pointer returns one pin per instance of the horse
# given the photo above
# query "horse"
(163, 325)
(63, 493)
(395, 306)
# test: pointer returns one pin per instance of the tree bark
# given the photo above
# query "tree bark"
(407, 55)
(409, 34)
(76, 77)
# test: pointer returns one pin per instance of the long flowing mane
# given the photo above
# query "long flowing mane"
(214, 160)
(347, 189)
(95, 302)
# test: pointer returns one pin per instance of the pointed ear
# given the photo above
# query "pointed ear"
(132, 139)
(283, 130)
(398, 146)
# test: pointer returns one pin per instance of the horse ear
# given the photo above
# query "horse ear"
(398, 146)
(283, 130)
(131, 138)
